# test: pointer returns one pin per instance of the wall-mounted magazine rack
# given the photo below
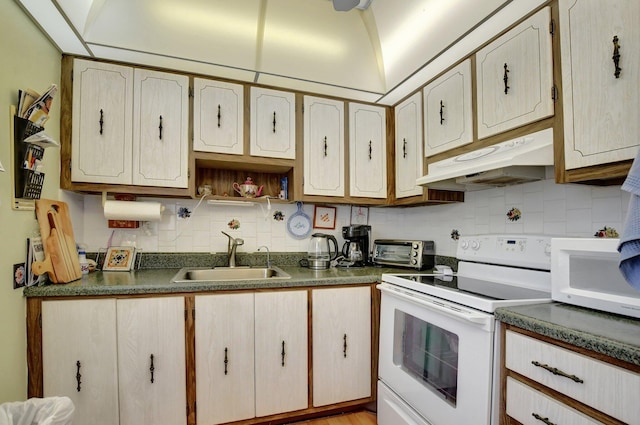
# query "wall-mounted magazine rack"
(27, 177)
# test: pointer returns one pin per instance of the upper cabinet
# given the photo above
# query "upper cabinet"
(448, 118)
(160, 129)
(324, 160)
(102, 123)
(218, 124)
(409, 159)
(129, 126)
(600, 45)
(367, 151)
(515, 77)
(273, 123)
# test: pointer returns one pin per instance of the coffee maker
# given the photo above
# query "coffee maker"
(356, 249)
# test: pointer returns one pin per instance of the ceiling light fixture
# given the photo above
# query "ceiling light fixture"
(347, 5)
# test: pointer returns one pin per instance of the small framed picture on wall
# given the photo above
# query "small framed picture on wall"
(324, 217)
(359, 215)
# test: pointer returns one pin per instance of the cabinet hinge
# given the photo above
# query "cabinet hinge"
(190, 91)
(185, 314)
(193, 314)
(188, 173)
(552, 27)
(554, 93)
(40, 320)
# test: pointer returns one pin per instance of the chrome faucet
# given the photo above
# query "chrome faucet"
(231, 248)
(268, 260)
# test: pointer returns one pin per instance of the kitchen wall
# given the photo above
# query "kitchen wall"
(29, 61)
(544, 207)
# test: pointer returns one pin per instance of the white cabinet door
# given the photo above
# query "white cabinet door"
(79, 358)
(101, 134)
(409, 159)
(218, 111)
(273, 123)
(151, 361)
(601, 110)
(281, 352)
(341, 323)
(515, 77)
(225, 358)
(367, 151)
(160, 129)
(448, 121)
(323, 146)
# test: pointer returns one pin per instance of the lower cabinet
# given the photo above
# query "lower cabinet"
(117, 360)
(251, 355)
(548, 382)
(209, 358)
(341, 344)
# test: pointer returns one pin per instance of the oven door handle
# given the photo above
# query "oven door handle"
(437, 305)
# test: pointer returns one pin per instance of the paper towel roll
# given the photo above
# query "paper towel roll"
(131, 210)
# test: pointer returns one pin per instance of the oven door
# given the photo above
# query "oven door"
(437, 356)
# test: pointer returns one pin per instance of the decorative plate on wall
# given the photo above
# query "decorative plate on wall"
(299, 223)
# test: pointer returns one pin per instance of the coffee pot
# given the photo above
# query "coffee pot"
(320, 254)
(248, 189)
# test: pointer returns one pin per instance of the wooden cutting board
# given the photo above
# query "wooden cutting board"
(61, 256)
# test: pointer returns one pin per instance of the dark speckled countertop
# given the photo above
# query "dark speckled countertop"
(609, 334)
(158, 281)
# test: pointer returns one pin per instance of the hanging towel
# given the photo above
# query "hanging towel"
(629, 246)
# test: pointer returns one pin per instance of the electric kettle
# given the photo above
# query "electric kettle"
(320, 254)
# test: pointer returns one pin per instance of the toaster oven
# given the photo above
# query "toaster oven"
(419, 255)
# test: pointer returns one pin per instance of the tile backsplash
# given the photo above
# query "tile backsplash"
(541, 207)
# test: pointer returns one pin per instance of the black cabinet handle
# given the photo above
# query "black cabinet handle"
(370, 150)
(616, 57)
(557, 371)
(226, 360)
(283, 353)
(101, 120)
(325, 145)
(274, 121)
(152, 369)
(78, 375)
(506, 79)
(541, 419)
(160, 128)
(404, 147)
(441, 112)
(344, 346)
(219, 115)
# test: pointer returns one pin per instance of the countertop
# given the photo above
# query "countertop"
(158, 281)
(610, 334)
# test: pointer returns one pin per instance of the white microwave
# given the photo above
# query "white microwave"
(584, 272)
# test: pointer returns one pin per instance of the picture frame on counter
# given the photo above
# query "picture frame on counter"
(119, 258)
(324, 217)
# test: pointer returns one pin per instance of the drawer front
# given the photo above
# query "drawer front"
(531, 407)
(610, 389)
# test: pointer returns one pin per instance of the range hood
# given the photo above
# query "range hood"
(515, 161)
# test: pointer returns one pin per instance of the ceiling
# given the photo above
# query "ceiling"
(377, 52)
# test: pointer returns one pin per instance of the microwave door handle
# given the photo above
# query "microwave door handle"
(438, 306)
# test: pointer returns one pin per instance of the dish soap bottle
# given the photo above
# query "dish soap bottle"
(84, 264)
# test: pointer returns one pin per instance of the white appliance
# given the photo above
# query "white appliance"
(439, 341)
(584, 272)
(514, 161)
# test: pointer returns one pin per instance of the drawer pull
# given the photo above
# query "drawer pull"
(226, 360)
(541, 419)
(616, 56)
(151, 368)
(78, 375)
(557, 371)
(505, 78)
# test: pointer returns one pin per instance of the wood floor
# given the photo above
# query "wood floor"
(357, 418)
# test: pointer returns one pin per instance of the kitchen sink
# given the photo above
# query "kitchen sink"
(190, 274)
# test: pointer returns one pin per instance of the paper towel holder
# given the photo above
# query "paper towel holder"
(124, 221)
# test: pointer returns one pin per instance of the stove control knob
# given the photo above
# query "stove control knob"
(415, 245)
(414, 261)
(475, 245)
(464, 244)
(414, 253)
(547, 250)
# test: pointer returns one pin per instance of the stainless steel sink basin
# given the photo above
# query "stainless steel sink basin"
(189, 274)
